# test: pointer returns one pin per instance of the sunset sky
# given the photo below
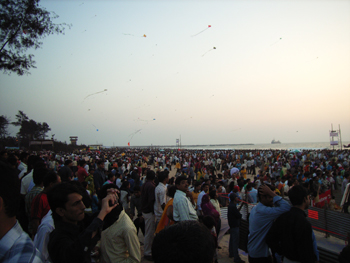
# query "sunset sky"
(263, 70)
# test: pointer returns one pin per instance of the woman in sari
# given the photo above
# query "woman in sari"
(167, 216)
(209, 210)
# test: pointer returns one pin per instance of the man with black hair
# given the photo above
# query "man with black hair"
(160, 196)
(291, 234)
(119, 241)
(99, 175)
(38, 178)
(82, 174)
(234, 220)
(71, 242)
(135, 203)
(204, 190)
(147, 208)
(261, 218)
(27, 178)
(185, 242)
(40, 205)
(183, 208)
(22, 167)
(66, 172)
(15, 244)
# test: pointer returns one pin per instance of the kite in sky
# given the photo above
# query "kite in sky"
(276, 42)
(81, 4)
(138, 119)
(208, 51)
(95, 93)
(134, 133)
(95, 127)
(209, 26)
(144, 35)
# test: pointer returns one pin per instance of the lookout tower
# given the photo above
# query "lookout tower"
(73, 140)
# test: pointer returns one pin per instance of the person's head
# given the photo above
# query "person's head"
(137, 191)
(181, 183)
(150, 175)
(213, 194)
(13, 160)
(205, 187)
(125, 185)
(197, 186)
(82, 163)
(163, 177)
(266, 200)
(3, 155)
(66, 203)
(185, 242)
(50, 179)
(233, 198)
(111, 177)
(208, 221)
(9, 191)
(114, 214)
(68, 163)
(299, 196)
(249, 187)
(171, 191)
(100, 164)
(24, 157)
(39, 172)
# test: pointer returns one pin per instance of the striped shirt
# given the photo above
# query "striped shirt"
(16, 246)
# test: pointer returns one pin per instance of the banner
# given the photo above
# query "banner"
(325, 197)
(333, 134)
(334, 142)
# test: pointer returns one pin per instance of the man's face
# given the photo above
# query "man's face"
(74, 209)
(206, 188)
(183, 186)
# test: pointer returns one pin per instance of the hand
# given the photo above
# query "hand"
(106, 208)
(265, 190)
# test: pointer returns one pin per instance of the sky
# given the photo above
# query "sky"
(212, 72)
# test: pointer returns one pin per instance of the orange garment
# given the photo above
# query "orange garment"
(165, 220)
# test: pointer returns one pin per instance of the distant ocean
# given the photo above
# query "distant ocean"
(284, 146)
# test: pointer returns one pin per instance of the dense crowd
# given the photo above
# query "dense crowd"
(90, 205)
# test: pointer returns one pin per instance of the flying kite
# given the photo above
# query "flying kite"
(208, 51)
(209, 26)
(134, 133)
(144, 35)
(276, 42)
(95, 127)
(95, 93)
(81, 4)
(138, 119)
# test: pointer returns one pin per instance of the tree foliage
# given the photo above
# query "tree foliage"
(23, 24)
(4, 122)
(30, 129)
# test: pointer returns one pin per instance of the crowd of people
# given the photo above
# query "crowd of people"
(89, 205)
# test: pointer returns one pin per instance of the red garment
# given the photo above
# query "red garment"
(40, 206)
(81, 174)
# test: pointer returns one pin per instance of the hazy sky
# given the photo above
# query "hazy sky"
(281, 69)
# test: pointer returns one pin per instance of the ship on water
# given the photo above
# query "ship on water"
(275, 142)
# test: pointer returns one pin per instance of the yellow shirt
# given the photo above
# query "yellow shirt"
(119, 242)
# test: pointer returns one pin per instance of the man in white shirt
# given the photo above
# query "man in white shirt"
(160, 195)
(183, 208)
(43, 234)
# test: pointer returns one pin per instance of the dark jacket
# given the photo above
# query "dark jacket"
(233, 215)
(291, 236)
(148, 197)
(69, 243)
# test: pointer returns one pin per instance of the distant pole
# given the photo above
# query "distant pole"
(341, 143)
(332, 135)
(180, 141)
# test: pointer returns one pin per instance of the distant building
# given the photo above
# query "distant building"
(73, 140)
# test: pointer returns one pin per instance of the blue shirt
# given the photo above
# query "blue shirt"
(260, 221)
(254, 195)
(16, 246)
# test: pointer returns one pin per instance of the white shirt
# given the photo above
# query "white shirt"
(160, 195)
(41, 239)
(26, 182)
(199, 200)
(182, 207)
